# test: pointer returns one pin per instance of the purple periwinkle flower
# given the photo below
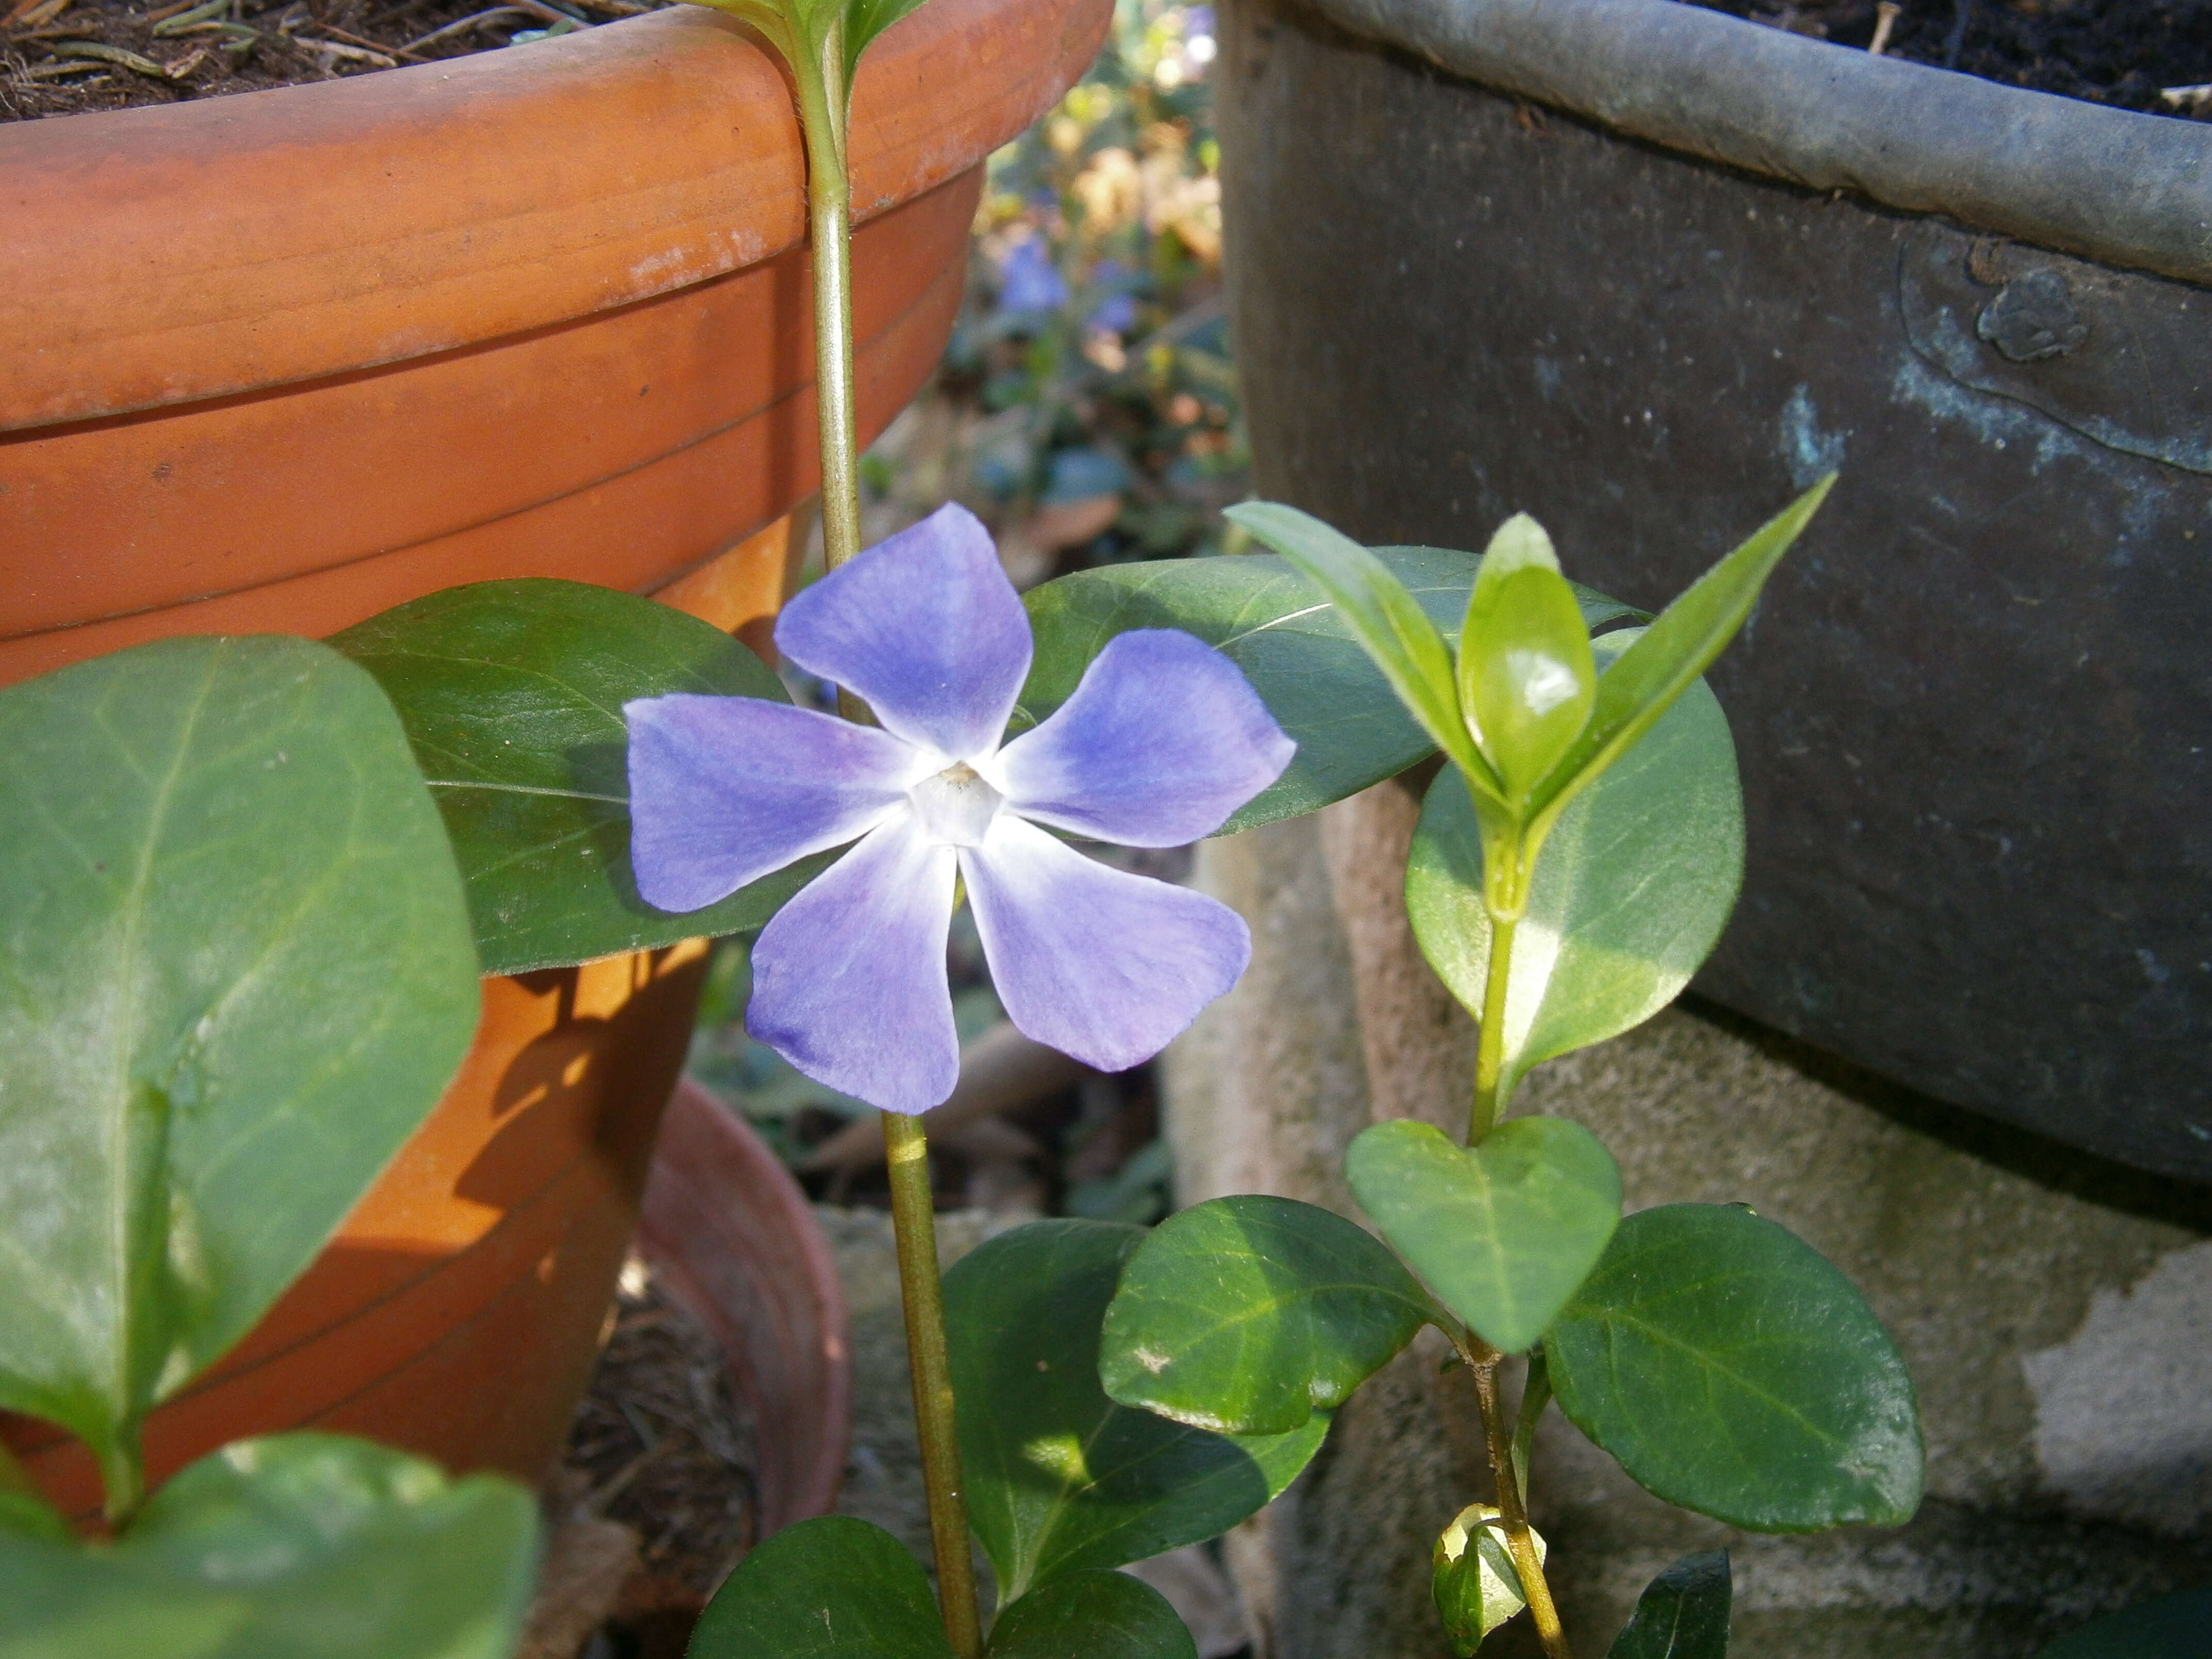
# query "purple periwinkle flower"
(1161, 741)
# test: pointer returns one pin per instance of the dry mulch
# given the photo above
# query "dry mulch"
(2150, 56)
(68, 57)
(661, 1446)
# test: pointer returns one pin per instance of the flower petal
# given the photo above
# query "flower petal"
(849, 977)
(1100, 964)
(723, 790)
(1163, 738)
(925, 627)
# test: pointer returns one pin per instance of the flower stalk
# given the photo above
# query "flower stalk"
(823, 106)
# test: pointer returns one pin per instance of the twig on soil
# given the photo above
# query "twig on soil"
(1886, 16)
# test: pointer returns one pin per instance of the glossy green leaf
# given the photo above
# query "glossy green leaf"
(1390, 624)
(1631, 890)
(512, 694)
(1733, 1370)
(235, 975)
(1091, 1615)
(1294, 647)
(1683, 1614)
(1680, 645)
(1526, 676)
(1502, 1232)
(1060, 1478)
(295, 1546)
(1249, 1314)
(1472, 1579)
(2167, 1627)
(834, 1588)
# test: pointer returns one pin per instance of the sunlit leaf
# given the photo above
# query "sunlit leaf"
(1060, 1478)
(1631, 890)
(1733, 1370)
(1251, 1314)
(1503, 1232)
(235, 975)
(1526, 677)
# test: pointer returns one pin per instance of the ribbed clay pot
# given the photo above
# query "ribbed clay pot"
(281, 360)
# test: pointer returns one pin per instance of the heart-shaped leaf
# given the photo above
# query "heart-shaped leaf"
(1291, 643)
(235, 975)
(295, 1546)
(1060, 1478)
(1473, 1580)
(1733, 1370)
(512, 694)
(1248, 1315)
(834, 1588)
(1683, 1614)
(1680, 645)
(1097, 1615)
(1633, 888)
(1502, 1232)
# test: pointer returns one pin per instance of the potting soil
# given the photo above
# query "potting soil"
(2151, 56)
(68, 57)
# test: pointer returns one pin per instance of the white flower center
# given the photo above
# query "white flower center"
(955, 807)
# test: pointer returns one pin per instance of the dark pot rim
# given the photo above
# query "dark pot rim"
(2127, 188)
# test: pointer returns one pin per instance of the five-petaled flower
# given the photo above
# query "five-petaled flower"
(1161, 741)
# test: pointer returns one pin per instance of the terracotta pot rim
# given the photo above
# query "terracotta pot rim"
(260, 239)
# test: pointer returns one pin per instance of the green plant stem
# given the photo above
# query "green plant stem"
(1534, 1396)
(1482, 1362)
(914, 1223)
(123, 1476)
(1489, 1055)
(823, 96)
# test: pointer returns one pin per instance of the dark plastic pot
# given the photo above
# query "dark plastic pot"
(1646, 272)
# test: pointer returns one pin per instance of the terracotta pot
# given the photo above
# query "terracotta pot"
(281, 360)
(730, 1234)
(285, 359)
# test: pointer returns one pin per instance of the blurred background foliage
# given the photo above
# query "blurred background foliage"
(1086, 410)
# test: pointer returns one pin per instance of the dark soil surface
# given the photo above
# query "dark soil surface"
(65, 56)
(2154, 56)
(662, 1444)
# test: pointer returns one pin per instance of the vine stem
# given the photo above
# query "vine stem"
(914, 1223)
(1489, 1055)
(820, 77)
(1482, 1362)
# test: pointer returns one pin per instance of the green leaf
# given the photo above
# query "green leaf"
(828, 1589)
(1390, 626)
(29, 1515)
(1249, 1314)
(295, 1546)
(2166, 1627)
(1678, 646)
(235, 975)
(1526, 676)
(1631, 890)
(1060, 1478)
(1504, 1231)
(1473, 1578)
(1291, 644)
(1097, 1615)
(1683, 1614)
(1733, 1370)
(512, 694)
